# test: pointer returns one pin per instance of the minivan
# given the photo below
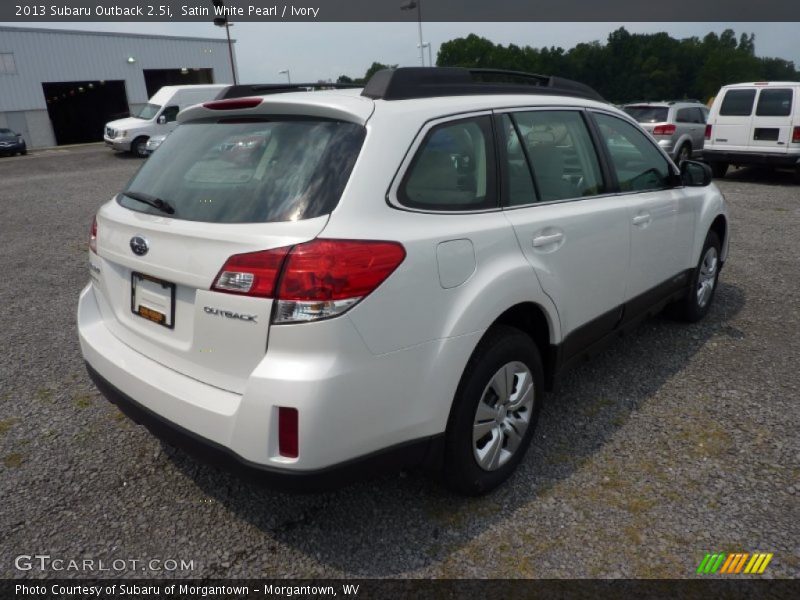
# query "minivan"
(754, 124)
(157, 117)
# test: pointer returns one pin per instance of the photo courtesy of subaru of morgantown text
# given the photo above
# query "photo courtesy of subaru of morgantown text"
(399, 299)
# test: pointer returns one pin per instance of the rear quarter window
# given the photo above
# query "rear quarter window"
(737, 103)
(250, 172)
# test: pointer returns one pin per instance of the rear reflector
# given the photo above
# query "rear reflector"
(796, 135)
(233, 104)
(708, 132)
(664, 129)
(288, 438)
(93, 236)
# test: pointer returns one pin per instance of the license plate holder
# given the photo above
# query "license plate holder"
(153, 299)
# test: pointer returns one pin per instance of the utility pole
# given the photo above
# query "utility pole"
(224, 22)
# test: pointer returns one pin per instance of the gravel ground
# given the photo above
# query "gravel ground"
(677, 441)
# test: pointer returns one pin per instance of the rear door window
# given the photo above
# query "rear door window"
(561, 155)
(774, 103)
(737, 103)
(250, 172)
(454, 168)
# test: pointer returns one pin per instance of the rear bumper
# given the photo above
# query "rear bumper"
(414, 453)
(358, 412)
(752, 158)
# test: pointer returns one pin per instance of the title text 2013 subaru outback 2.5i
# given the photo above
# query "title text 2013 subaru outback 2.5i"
(313, 283)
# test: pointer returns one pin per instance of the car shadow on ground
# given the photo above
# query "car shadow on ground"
(764, 176)
(401, 522)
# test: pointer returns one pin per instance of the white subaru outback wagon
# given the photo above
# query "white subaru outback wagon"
(309, 284)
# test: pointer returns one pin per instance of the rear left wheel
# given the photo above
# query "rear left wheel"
(494, 413)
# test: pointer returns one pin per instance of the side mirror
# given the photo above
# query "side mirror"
(695, 174)
(162, 120)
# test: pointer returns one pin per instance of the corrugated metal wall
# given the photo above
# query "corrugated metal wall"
(53, 55)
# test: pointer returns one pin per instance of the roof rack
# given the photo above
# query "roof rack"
(429, 82)
(263, 89)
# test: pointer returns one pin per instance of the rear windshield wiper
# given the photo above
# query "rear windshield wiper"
(158, 203)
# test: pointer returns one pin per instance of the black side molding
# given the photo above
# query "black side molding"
(423, 452)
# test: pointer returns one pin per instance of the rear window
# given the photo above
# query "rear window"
(250, 172)
(774, 103)
(737, 103)
(648, 114)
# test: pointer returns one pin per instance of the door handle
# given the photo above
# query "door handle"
(546, 240)
(640, 220)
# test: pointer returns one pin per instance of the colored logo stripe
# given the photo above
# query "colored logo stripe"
(734, 563)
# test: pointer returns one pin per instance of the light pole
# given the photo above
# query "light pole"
(411, 5)
(223, 22)
(287, 73)
(430, 59)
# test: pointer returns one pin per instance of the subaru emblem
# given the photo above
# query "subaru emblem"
(139, 245)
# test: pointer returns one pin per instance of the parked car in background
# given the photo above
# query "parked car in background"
(154, 142)
(677, 125)
(11, 143)
(158, 117)
(319, 284)
(754, 124)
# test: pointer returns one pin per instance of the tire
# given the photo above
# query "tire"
(138, 147)
(719, 169)
(703, 283)
(475, 466)
(24, 152)
(684, 153)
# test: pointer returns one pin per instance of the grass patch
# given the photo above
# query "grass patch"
(6, 424)
(13, 460)
(44, 394)
(83, 401)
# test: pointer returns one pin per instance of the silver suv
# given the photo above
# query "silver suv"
(677, 125)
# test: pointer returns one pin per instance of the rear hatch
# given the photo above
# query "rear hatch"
(217, 187)
(648, 116)
(754, 119)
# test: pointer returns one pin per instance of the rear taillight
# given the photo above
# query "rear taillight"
(668, 129)
(288, 435)
(708, 132)
(796, 135)
(252, 274)
(311, 281)
(93, 236)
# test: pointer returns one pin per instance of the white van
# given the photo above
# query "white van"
(754, 124)
(158, 117)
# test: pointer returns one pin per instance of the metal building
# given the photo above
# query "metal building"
(61, 86)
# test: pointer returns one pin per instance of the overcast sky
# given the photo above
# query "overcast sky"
(314, 51)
